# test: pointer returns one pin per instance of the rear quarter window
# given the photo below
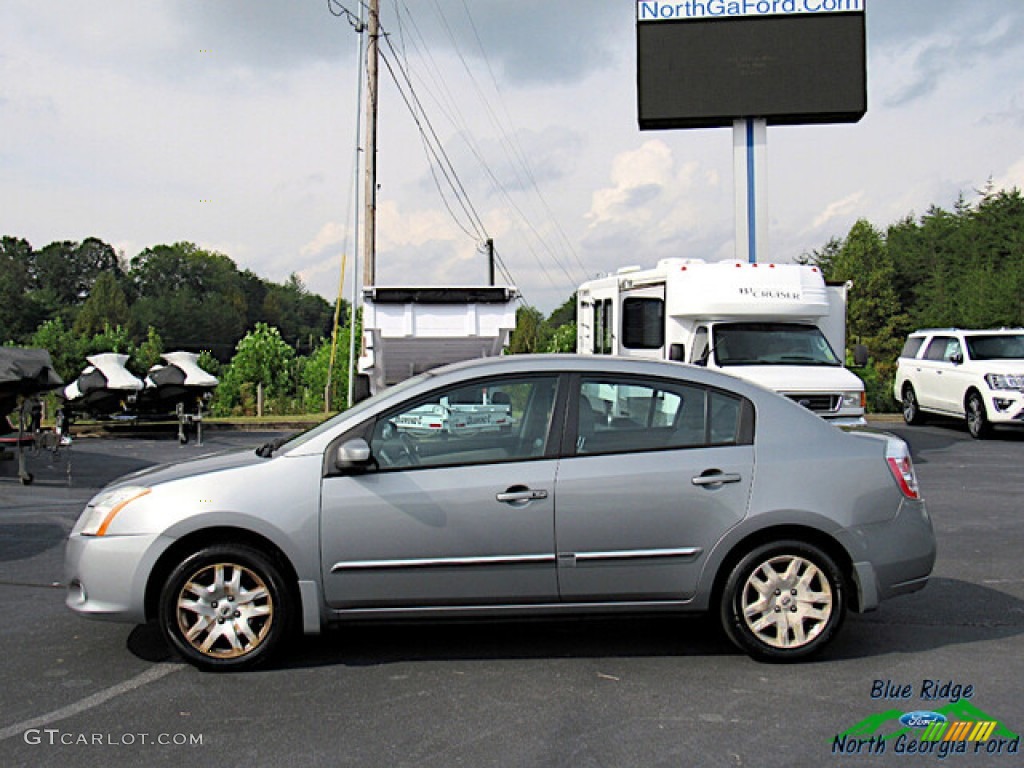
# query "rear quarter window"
(912, 346)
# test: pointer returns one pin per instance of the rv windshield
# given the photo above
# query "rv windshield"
(771, 344)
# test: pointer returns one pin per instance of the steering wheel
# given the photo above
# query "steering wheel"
(409, 447)
(397, 448)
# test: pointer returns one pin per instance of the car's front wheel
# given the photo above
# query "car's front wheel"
(225, 607)
(911, 409)
(977, 420)
(783, 601)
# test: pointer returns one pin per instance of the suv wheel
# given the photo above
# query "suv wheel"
(783, 601)
(977, 419)
(911, 410)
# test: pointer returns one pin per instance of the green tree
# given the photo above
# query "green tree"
(106, 305)
(264, 359)
(563, 339)
(62, 274)
(298, 314)
(66, 348)
(148, 353)
(20, 313)
(528, 336)
(564, 314)
(195, 299)
(113, 338)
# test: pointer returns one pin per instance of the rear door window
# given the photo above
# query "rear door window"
(624, 415)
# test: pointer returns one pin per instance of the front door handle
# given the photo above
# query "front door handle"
(714, 477)
(520, 494)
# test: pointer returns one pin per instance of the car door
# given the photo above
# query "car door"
(937, 375)
(455, 511)
(953, 379)
(657, 472)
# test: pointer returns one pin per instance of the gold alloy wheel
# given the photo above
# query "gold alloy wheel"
(787, 601)
(225, 610)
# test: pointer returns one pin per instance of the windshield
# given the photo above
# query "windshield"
(1003, 346)
(771, 344)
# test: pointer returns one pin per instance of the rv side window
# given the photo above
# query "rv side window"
(643, 323)
(700, 346)
(603, 327)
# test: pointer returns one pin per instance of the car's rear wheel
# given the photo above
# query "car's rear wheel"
(911, 409)
(977, 420)
(783, 601)
(225, 607)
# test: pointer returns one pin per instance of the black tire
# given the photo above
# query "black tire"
(977, 419)
(783, 601)
(225, 607)
(911, 409)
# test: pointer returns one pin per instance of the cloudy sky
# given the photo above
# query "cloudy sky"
(231, 124)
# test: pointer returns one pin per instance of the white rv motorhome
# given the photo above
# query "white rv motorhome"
(778, 325)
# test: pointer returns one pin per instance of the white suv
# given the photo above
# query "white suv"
(976, 375)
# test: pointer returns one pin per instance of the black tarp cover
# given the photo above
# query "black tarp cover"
(26, 371)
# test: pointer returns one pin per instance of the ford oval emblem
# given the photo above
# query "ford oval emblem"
(922, 719)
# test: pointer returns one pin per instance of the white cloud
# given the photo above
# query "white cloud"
(119, 117)
(331, 234)
(1012, 178)
(845, 207)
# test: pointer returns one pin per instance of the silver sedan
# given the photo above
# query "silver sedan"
(516, 486)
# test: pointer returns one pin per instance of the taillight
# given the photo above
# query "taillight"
(897, 456)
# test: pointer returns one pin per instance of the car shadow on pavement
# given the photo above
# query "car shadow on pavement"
(949, 612)
(365, 644)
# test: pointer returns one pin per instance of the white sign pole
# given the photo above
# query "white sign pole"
(750, 139)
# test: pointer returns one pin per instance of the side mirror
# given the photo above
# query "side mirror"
(354, 454)
(860, 355)
(957, 359)
(677, 353)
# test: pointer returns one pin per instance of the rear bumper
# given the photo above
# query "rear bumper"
(892, 558)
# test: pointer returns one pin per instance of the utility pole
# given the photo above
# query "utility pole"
(370, 214)
(490, 260)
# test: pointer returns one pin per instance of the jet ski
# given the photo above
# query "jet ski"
(180, 381)
(181, 388)
(105, 389)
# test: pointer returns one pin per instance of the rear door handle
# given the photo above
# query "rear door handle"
(715, 477)
(518, 494)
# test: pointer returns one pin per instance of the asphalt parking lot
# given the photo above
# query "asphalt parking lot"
(633, 692)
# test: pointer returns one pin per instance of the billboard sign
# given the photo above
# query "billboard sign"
(653, 10)
(708, 63)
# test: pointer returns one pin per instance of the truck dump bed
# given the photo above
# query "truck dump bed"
(410, 330)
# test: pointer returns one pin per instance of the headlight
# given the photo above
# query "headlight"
(100, 514)
(1004, 381)
(854, 399)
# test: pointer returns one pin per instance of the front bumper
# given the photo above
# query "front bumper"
(107, 575)
(1005, 406)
